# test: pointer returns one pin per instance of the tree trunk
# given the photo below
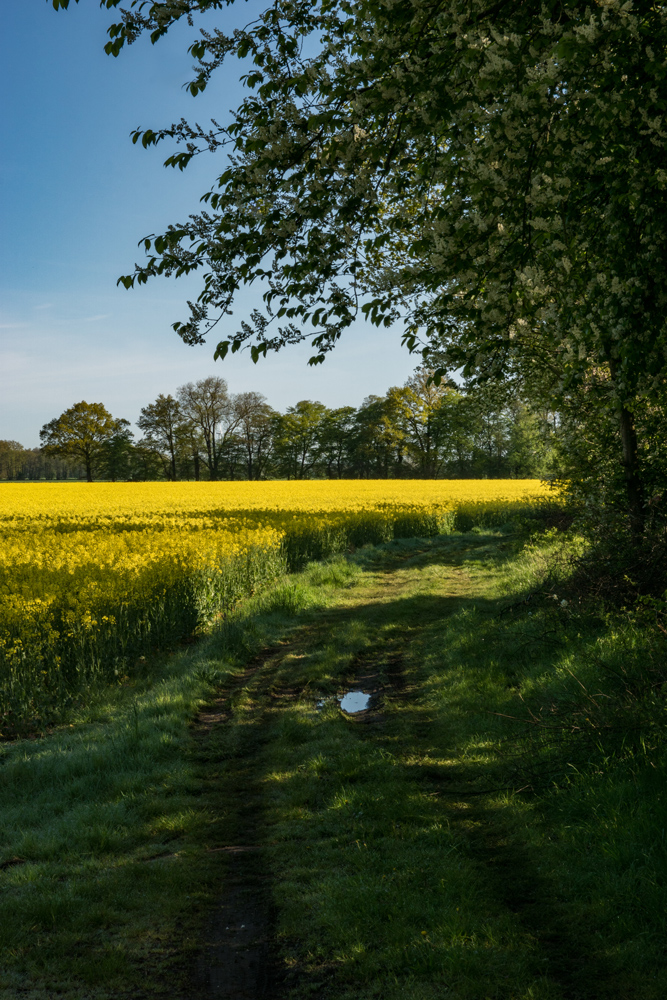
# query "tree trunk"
(210, 451)
(633, 483)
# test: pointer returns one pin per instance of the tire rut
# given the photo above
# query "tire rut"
(238, 958)
(378, 672)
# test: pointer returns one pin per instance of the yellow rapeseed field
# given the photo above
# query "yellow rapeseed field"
(141, 502)
(94, 576)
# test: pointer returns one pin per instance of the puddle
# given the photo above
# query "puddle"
(355, 701)
(350, 702)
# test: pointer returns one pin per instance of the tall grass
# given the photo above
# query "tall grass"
(55, 652)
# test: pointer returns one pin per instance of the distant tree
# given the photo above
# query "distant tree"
(416, 406)
(32, 464)
(487, 413)
(255, 432)
(531, 441)
(209, 409)
(146, 463)
(297, 443)
(115, 458)
(12, 457)
(336, 437)
(454, 431)
(162, 423)
(80, 432)
(491, 431)
(378, 443)
(190, 450)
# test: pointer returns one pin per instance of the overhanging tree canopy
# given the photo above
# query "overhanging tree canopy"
(492, 173)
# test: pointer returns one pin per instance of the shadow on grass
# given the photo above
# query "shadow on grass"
(378, 889)
(399, 856)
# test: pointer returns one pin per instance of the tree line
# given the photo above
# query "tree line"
(205, 432)
(24, 464)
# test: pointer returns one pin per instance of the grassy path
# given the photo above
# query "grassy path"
(431, 846)
(390, 866)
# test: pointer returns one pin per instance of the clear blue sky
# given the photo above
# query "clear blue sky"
(76, 197)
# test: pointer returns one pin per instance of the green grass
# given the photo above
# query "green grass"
(493, 830)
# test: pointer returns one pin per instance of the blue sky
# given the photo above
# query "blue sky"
(76, 197)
